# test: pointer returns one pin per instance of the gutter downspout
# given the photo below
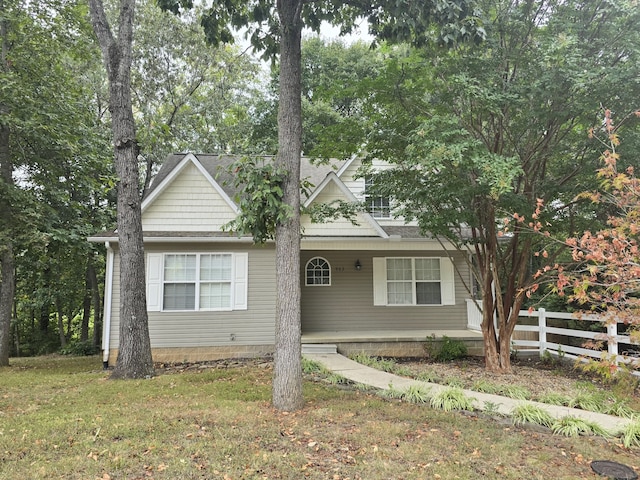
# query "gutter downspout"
(108, 292)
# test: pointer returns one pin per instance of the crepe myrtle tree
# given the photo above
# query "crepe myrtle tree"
(482, 134)
(274, 28)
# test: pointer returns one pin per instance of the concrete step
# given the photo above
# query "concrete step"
(318, 348)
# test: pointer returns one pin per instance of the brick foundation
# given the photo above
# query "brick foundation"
(202, 354)
(399, 349)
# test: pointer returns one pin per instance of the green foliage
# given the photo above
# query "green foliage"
(631, 434)
(385, 364)
(322, 212)
(337, 379)
(392, 393)
(529, 413)
(491, 408)
(571, 426)
(261, 206)
(477, 135)
(429, 376)
(486, 387)
(605, 368)
(616, 375)
(450, 399)
(420, 23)
(416, 394)
(189, 97)
(311, 366)
(454, 382)
(446, 349)
(517, 392)
(620, 408)
(79, 348)
(592, 401)
(554, 399)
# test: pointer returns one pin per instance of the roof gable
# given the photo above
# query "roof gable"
(187, 198)
(170, 171)
(332, 188)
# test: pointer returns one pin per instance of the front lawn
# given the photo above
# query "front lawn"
(60, 418)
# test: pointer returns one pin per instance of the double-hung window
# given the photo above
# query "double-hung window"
(378, 206)
(413, 281)
(196, 281)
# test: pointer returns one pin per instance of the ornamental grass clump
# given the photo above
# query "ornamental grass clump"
(428, 376)
(631, 434)
(312, 367)
(392, 393)
(554, 398)
(516, 391)
(485, 387)
(591, 401)
(620, 408)
(416, 394)
(452, 399)
(529, 413)
(571, 426)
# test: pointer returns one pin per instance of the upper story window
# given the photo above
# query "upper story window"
(318, 272)
(377, 206)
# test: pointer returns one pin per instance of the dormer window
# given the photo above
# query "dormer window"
(378, 206)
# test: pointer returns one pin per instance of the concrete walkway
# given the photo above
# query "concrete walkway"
(359, 373)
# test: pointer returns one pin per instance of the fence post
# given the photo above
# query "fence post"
(542, 331)
(612, 341)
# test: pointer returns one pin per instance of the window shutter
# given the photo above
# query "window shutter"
(379, 281)
(240, 280)
(154, 282)
(447, 282)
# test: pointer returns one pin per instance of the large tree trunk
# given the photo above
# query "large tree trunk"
(134, 352)
(287, 381)
(7, 260)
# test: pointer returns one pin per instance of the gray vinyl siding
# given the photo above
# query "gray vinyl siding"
(347, 305)
(254, 326)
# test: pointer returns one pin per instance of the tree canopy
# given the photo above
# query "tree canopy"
(482, 134)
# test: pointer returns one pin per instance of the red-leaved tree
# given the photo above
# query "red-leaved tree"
(605, 275)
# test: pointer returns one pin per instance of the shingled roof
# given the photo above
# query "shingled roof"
(218, 166)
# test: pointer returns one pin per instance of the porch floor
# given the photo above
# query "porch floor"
(374, 336)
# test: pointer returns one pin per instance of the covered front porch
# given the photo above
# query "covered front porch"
(390, 343)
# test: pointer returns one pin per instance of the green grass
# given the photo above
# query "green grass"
(61, 418)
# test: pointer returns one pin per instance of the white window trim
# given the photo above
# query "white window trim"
(306, 277)
(379, 213)
(447, 283)
(155, 281)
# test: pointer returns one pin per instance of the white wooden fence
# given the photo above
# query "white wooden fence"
(619, 348)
